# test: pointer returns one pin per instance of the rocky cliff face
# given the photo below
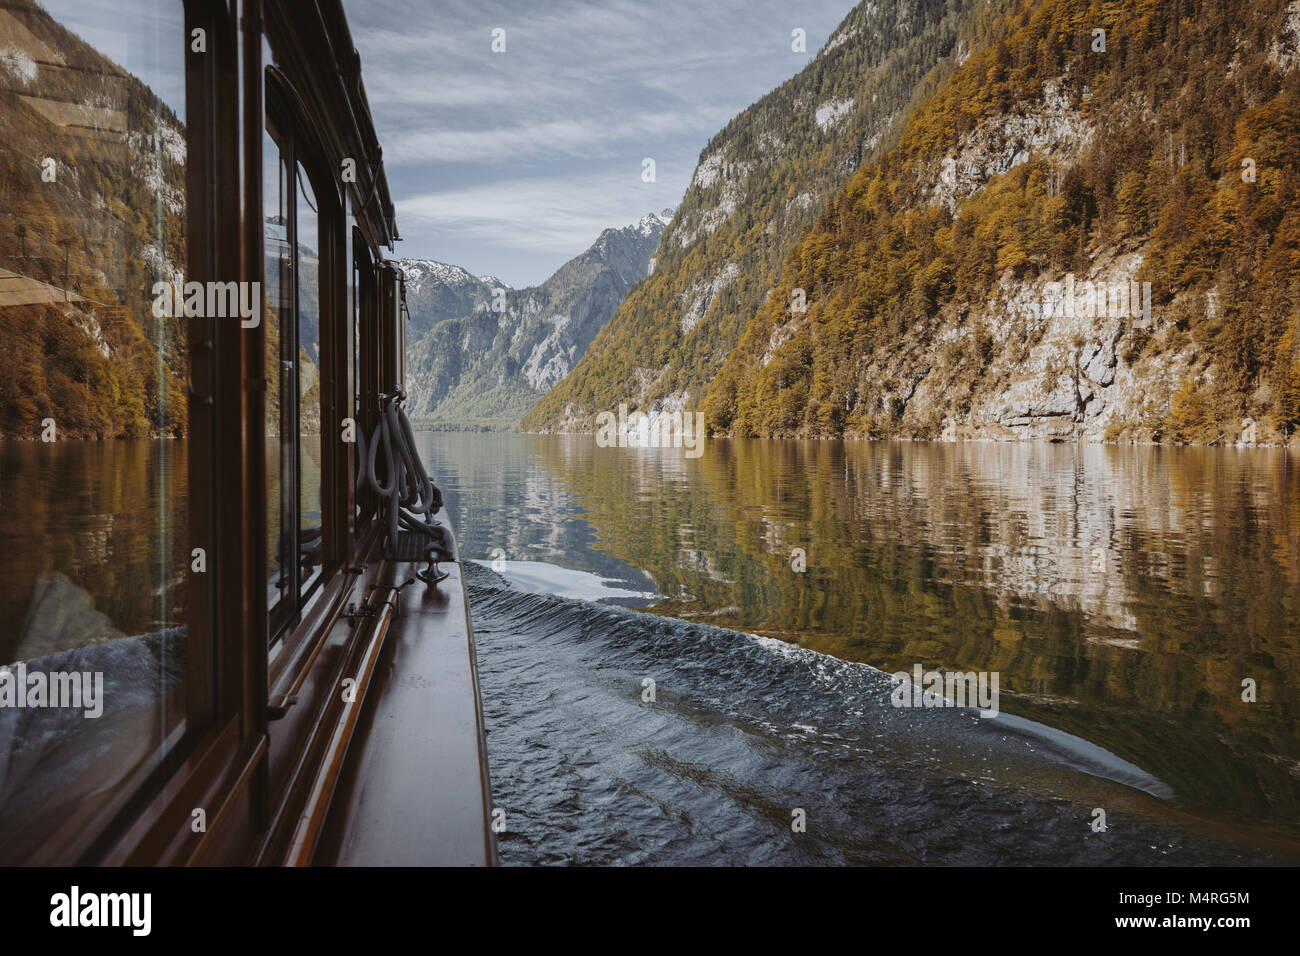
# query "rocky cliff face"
(1064, 365)
(487, 367)
(1068, 249)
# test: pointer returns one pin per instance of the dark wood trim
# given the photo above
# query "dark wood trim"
(214, 779)
(321, 791)
(300, 740)
(298, 650)
(204, 76)
(389, 299)
(250, 656)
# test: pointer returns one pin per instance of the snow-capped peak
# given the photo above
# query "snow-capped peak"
(418, 271)
(650, 224)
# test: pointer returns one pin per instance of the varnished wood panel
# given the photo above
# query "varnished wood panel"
(414, 790)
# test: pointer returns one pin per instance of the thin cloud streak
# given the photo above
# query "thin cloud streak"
(570, 137)
(534, 214)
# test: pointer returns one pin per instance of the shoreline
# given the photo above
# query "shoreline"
(1291, 444)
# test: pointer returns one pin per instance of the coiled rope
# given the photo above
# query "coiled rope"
(409, 499)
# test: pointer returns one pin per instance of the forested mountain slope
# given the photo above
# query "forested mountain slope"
(935, 280)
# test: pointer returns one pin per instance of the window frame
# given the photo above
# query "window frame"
(362, 322)
(299, 149)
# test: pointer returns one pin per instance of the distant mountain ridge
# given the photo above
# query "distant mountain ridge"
(481, 359)
(436, 291)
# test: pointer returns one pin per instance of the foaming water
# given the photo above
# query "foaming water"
(538, 577)
(619, 737)
(1083, 754)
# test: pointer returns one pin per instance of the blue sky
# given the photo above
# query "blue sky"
(512, 163)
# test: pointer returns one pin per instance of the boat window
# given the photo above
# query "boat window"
(295, 239)
(96, 552)
(279, 368)
(363, 306)
(308, 470)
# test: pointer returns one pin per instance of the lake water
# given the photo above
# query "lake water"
(1122, 595)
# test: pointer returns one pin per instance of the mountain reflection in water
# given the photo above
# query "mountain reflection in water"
(1123, 594)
